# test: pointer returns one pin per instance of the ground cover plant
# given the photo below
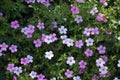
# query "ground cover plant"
(59, 40)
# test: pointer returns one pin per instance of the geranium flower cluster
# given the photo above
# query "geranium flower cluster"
(91, 31)
(28, 31)
(69, 74)
(26, 60)
(104, 2)
(44, 2)
(15, 69)
(101, 18)
(49, 38)
(4, 46)
(82, 66)
(103, 70)
(84, 46)
(34, 75)
(68, 41)
(18, 70)
(45, 38)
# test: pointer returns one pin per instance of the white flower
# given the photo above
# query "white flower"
(118, 63)
(0, 52)
(62, 30)
(116, 78)
(54, 78)
(118, 38)
(100, 62)
(49, 55)
(17, 70)
(89, 42)
(30, 58)
(76, 78)
(48, 39)
(103, 70)
(69, 42)
(33, 74)
(63, 37)
(70, 61)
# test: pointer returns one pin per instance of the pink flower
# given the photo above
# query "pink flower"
(28, 31)
(82, 64)
(31, 28)
(46, 3)
(40, 1)
(102, 1)
(91, 31)
(40, 25)
(14, 24)
(108, 32)
(49, 38)
(14, 78)
(81, 71)
(105, 20)
(69, 73)
(54, 24)
(29, 35)
(10, 67)
(53, 37)
(74, 9)
(3, 46)
(79, 44)
(105, 4)
(43, 37)
(24, 61)
(95, 77)
(88, 52)
(37, 43)
(80, 1)
(95, 31)
(101, 49)
(41, 77)
(100, 18)
(87, 32)
(13, 48)
(105, 58)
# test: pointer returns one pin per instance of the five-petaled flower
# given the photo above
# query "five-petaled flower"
(13, 48)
